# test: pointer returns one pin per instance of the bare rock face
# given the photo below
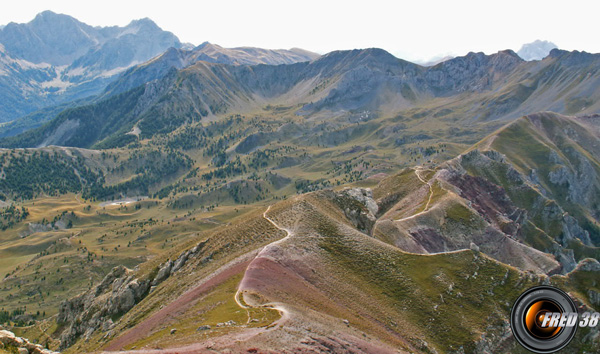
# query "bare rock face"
(365, 196)
(579, 179)
(119, 292)
(8, 339)
(163, 273)
(503, 208)
(572, 230)
(495, 338)
(86, 313)
(359, 207)
(180, 261)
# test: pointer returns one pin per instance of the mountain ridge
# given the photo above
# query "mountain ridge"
(345, 81)
(73, 60)
(68, 60)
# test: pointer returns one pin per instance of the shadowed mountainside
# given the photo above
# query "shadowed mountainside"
(474, 90)
(56, 59)
(60, 59)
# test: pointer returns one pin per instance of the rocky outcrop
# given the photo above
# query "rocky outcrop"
(180, 262)
(163, 273)
(577, 175)
(495, 339)
(594, 297)
(119, 292)
(572, 230)
(359, 207)
(115, 295)
(8, 340)
(589, 265)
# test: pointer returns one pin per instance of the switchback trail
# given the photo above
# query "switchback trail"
(284, 312)
(417, 170)
(218, 277)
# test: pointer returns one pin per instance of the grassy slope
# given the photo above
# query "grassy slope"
(382, 287)
(529, 143)
(322, 147)
(388, 295)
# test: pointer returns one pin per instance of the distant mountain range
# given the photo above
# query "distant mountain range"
(156, 97)
(175, 58)
(56, 59)
(56, 62)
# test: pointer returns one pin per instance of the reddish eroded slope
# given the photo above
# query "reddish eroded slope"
(179, 306)
(340, 290)
(292, 276)
(434, 251)
(460, 212)
(490, 201)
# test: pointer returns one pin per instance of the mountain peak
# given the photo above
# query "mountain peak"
(505, 59)
(207, 45)
(557, 53)
(536, 50)
(376, 54)
(509, 52)
(203, 45)
(46, 13)
(50, 16)
(145, 22)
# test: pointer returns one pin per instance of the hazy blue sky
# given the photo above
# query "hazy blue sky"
(409, 29)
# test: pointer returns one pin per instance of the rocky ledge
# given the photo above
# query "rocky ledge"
(118, 293)
(8, 340)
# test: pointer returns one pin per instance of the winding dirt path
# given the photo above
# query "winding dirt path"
(428, 183)
(178, 306)
(236, 266)
(279, 307)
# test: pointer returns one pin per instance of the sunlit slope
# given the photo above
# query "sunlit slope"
(531, 186)
(310, 280)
